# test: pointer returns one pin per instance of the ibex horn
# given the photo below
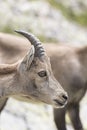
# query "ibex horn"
(39, 50)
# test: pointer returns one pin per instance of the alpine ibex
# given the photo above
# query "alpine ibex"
(31, 77)
(70, 68)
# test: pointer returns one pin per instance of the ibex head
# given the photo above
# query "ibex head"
(36, 76)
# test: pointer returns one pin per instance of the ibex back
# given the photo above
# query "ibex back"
(69, 65)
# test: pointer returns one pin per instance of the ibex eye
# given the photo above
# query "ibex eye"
(42, 73)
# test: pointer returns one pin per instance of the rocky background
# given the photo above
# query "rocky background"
(52, 21)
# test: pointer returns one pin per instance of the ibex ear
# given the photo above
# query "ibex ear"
(25, 64)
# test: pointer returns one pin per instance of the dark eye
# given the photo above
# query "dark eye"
(42, 73)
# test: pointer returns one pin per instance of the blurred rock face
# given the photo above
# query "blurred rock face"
(42, 19)
(77, 6)
(24, 116)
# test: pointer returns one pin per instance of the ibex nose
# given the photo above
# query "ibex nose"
(62, 99)
(65, 96)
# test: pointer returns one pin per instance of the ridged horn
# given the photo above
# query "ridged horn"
(39, 50)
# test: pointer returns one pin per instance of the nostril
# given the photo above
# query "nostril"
(65, 97)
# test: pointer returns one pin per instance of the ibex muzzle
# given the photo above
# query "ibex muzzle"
(37, 77)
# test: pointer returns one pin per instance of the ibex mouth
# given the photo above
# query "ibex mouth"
(60, 103)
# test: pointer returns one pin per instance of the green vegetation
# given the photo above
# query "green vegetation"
(7, 29)
(46, 39)
(68, 13)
